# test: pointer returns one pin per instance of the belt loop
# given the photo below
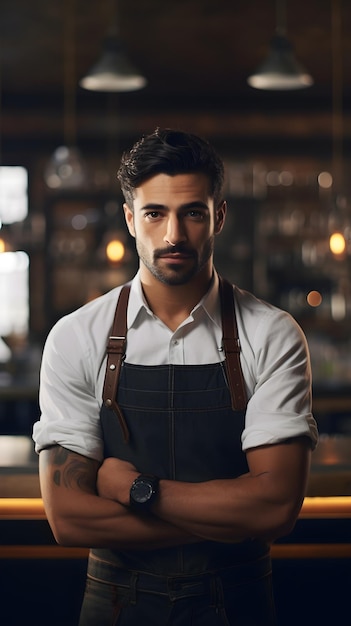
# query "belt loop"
(133, 587)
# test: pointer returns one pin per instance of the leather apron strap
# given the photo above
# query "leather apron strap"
(116, 348)
(231, 345)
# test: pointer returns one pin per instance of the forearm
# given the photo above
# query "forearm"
(264, 503)
(78, 516)
(88, 520)
(229, 510)
(225, 510)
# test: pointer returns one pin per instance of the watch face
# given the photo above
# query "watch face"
(141, 491)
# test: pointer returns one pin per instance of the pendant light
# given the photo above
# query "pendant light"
(280, 70)
(66, 169)
(113, 71)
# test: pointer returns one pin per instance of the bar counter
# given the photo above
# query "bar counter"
(323, 529)
(314, 561)
(314, 509)
(334, 507)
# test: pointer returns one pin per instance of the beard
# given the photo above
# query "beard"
(175, 273)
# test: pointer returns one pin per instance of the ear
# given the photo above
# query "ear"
(129, 217)
(220, 217)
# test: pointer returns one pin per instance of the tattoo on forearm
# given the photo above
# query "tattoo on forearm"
(71, 469)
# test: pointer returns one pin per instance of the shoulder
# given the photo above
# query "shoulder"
(86, 328)
(250, 306)
(262, 322)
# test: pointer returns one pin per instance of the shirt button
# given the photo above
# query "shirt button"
(175, 342)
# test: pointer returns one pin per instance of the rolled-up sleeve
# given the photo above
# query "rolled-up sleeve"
(280, 406)
(68, 403)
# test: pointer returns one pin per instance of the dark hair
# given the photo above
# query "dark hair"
(171, 152)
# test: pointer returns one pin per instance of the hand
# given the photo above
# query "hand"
(115, 478)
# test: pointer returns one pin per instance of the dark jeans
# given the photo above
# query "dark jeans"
(237, 596)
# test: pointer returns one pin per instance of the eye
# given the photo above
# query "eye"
(195, 214)
(152, 215)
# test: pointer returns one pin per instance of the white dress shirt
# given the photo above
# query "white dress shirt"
(274, 358)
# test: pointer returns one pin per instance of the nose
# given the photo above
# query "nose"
(175, 232)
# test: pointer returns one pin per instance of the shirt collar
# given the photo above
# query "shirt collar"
(210, 303)
(137, 301)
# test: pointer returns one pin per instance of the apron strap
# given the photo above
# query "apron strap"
(116, 348)
(231, 345)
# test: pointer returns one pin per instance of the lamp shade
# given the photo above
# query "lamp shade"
(113, 71)
(65, 169)
(280, 70)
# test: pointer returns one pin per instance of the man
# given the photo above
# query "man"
(182, 455)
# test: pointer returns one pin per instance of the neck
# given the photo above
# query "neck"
(174, 303)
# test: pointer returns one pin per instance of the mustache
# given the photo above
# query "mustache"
(178, 248)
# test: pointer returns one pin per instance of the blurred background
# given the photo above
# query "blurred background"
(267, 82)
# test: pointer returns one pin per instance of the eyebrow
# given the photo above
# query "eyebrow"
(197, 204)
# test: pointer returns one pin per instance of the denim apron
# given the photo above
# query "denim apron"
(178, 424)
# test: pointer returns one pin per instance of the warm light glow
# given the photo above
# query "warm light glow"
(21, 508)
(2, 246)
(109, 81)
(325, 180)
(115, 250)
(324, 507)
(337, 243)
(314, 298)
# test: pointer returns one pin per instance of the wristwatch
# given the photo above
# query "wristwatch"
(143, 492)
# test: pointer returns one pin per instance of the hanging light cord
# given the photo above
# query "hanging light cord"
(337, 95)
(69, 74)
(280, 13)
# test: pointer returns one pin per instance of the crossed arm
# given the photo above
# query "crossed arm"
(88, 504)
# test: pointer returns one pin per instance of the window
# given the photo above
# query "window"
(13, 194)
(14, 265)
(14, 293)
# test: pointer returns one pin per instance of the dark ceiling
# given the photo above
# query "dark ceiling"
(196, 55)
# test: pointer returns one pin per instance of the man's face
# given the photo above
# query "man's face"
(174, 222)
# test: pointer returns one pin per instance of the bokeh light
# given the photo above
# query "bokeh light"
(115, 250)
